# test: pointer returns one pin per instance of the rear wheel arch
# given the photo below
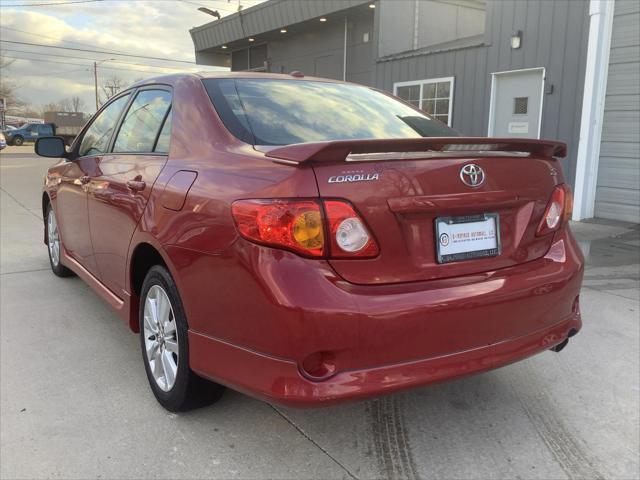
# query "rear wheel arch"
(144, 256)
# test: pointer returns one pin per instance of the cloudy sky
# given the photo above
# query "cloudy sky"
(155, 28)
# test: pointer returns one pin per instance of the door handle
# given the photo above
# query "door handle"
(85, 179)
(136, 185)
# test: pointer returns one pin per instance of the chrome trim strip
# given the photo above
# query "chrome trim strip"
(367, 157)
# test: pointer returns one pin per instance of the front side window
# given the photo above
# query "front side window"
(96, 138)
(434, 96)
(282, 112)
(143, 121)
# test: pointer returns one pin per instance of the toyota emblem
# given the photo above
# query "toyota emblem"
(472, 175)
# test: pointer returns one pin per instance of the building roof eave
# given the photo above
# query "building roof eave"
(264, 17)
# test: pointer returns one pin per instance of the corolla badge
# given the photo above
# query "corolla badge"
(354, 177)
(472, 175)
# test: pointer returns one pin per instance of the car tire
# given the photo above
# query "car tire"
(18, 141)
(54, 244)
(164, 343)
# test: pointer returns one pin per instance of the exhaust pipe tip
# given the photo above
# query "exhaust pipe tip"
(561, 345)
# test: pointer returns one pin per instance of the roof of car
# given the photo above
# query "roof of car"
(172, 78)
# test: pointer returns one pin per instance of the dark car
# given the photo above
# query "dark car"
(29, 132)
(309, 241)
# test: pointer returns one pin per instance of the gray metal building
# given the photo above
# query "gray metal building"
(561, 69)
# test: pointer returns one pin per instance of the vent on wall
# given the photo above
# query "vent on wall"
(520, 105)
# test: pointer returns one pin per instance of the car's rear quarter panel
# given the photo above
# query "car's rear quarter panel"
(199, 240)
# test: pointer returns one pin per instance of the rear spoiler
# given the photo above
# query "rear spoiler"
(339, 150)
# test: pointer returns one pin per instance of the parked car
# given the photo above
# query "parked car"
(29, 132)
(3, 141)
(309, 241)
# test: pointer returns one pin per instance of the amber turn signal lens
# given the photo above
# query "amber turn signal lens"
(568, 203)
(307, 230)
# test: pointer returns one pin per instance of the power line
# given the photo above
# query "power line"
(49, 4)
(200, 4)
(50, 54)
(45, 61)
(114, 52)
(67, 72)
(88, 59)
(33, 34)
(82, 65)
(98, 51)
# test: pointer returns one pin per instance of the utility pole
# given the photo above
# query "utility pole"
(95, 81)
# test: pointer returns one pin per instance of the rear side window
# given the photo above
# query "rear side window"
(143, 121)
(162, 145)
(96, 139)
(282, 112)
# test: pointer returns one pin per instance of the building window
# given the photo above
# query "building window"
(434, 96)
(240, 60)
(251, 58)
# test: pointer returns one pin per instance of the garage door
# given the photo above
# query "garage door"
(618, 187)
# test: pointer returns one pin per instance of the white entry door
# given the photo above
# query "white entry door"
(516, 103)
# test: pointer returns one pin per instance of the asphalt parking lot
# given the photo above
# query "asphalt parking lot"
(75, 402)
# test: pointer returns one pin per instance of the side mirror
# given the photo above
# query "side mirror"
(53, 147)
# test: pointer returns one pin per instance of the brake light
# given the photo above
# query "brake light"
(558, 211)
(293, 225)
(299, 226)
(348, 234)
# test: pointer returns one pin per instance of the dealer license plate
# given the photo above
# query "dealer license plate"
(468, 237)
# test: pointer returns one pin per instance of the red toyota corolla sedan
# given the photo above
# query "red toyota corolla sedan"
(308, 241)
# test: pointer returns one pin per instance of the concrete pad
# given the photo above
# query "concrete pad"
(74, 399)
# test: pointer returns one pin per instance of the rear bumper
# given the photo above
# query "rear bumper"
(280, 381)
(278, 311)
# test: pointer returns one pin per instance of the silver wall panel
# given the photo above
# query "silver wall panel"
(618, 187)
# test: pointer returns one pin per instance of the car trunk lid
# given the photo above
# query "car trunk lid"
(402, 187)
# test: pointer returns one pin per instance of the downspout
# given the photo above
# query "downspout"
(595, 88)
(344, 57)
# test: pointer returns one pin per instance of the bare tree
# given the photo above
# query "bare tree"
(50, 107)
(8, 86)
(69, 104)
(27, 110)
(4, 61)
(65, 105)
(112, 86)
(77, 103)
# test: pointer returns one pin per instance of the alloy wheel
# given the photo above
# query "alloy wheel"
(161, 338)
(53, 238)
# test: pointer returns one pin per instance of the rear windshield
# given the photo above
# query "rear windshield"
(282, 112)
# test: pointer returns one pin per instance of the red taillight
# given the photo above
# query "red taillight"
(290, 224)
(558, 211)
(349, 236)
(298, 225)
